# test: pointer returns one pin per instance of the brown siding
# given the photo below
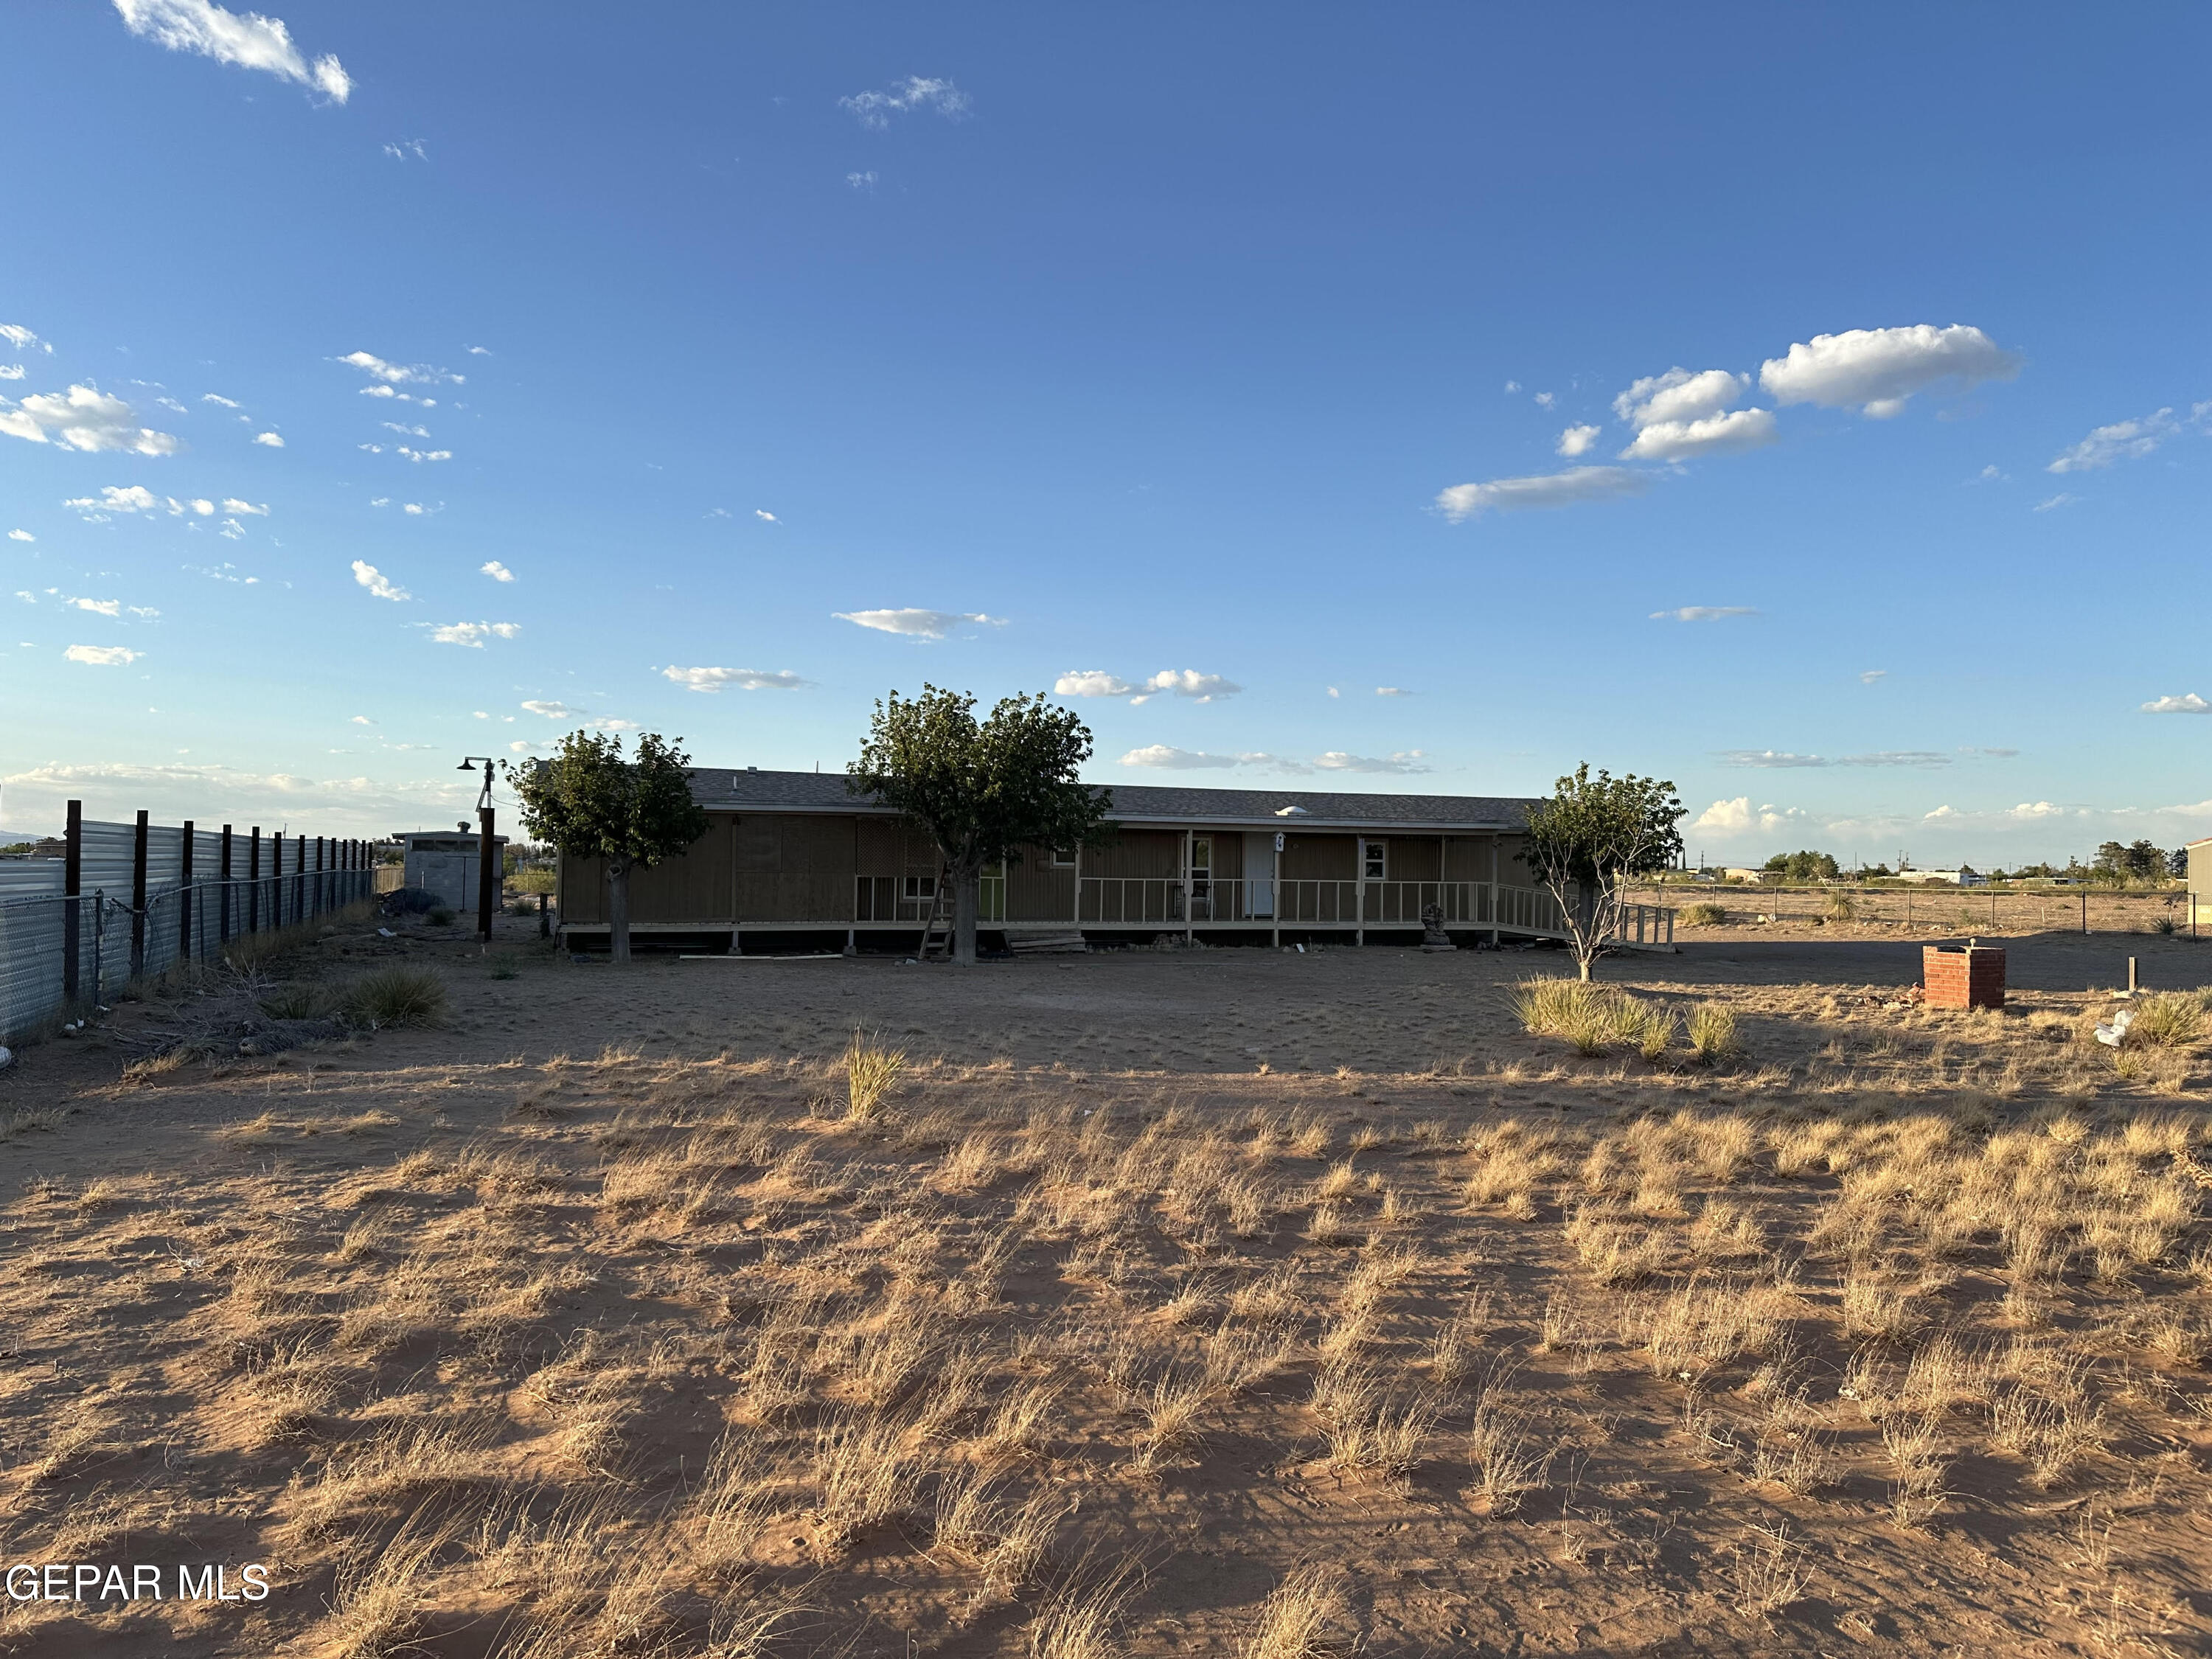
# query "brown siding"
(1413, 858)
(1038, 892)
(796, 867)
(692, 887)
(1137, 853)
(1320, 858)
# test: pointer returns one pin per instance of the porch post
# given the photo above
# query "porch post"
(1189, 923)
(1359, 890)
(1075, 908)
(1493, 890)
(1275, 892)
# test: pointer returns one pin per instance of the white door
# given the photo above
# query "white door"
(1259, 874)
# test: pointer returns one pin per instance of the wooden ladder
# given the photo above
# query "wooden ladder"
(937, 932)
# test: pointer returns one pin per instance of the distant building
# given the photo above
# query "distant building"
(1964, 876)
(2200, 869)
(446, 864)
(1752, 877)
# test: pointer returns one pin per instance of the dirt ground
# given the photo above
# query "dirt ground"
(1177, 1302)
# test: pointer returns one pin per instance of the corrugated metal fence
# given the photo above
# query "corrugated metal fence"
(135, 899)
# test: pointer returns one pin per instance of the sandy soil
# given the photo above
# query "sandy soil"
(1183, 1302)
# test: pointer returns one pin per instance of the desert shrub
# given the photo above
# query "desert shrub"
(395, 996)
(2161, 924)
(299, 1000)
(1592, 1017)
(1703, 914)
(1838, 906)
(439, 917)
(1712, 1033)
(870, 1071)
(2168, 1019)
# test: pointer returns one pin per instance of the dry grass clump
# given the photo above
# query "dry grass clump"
(871, 1070)
(1712, 1033)
(2167, 1019)
(1702, 913)
(1592, 1017)
(1310, 1615)
(393, 996)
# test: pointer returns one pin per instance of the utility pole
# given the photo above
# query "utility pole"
(487, 851)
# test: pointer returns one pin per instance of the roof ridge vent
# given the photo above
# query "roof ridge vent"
(1291, 812)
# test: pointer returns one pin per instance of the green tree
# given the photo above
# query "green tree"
(590, 802)
(981, 790)
(1802, 867)
(1590, 838)
(2143, 862)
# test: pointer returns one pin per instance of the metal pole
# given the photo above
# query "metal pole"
(72, 886)
(222, 912)
(253, 880)
(545, 922)
(2085, 909)
(487, 873)
(138, 897)
(186, 891)
(276, 887)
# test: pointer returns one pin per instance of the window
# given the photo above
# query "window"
(1201, 866)
(1059, 858)
(922, 888)
(1374, 863)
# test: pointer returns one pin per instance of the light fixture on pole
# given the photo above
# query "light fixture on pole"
(487, 853)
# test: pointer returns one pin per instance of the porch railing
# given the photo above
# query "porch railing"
(1170, 901)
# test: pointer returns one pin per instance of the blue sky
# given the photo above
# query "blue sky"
(1292, 388)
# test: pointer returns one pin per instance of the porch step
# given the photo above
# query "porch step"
(1046, 945)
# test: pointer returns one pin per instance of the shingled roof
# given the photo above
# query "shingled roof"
(725, 789)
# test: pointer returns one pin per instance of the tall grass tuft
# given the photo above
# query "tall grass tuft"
(871, 1070)
(1712, 1033)
(395, 996)
(1592, 1017)
(298, 1000)
(1703, 914)
(2168, 1019)
(1838, 906)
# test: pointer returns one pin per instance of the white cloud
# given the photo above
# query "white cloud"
(22, 339)
(1189, 683)
(416, 509)
(745, 679)
(399, 373)
(116, 498)
(1392, 691)
(231, 530)
(1783, 758)
(425, 454)
(2049, 504)
(1544, 400)
(471, 634)
(921, 624)
(2187, 703)
(861, 180)
(83, 418)
(1679, 395)
(232, 504)
(1576, 440)
(1738, 816)
(2122, 440)
(1576, 483)
(98, 607)
(1092, 683)
(165, 403)
(376, 582)
(763, 515)
(1407, 760)
(402, 151)
(496, 570)
(1333, 692)
(362, 719)
(1693, 613)
(252, 41)
(269, 440)
(1873, 674)
(552, 711)
(224, 573)
(875, 109)
(1876, 369)
(12, 371)
(142, 610)
(1512, 386)
(1945, 811)
(217, 398)
(103, 656)
(1716, 435)
(405, 430)
(20, 536)
(1165, 758)
(2036, 809)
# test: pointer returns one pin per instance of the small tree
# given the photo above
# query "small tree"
(980, 791)
(1590, 838)
(590, 802)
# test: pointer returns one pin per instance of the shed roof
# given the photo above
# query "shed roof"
(728, 789)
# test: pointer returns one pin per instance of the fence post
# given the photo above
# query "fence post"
(72, 908)
(139, 898)
(2085, 909)
(222, 912)
(277, 892)
(189, 895)
(253, 880)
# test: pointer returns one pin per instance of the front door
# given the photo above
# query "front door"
(1259, 875)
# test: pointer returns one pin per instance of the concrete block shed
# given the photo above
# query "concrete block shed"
(444, 862)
